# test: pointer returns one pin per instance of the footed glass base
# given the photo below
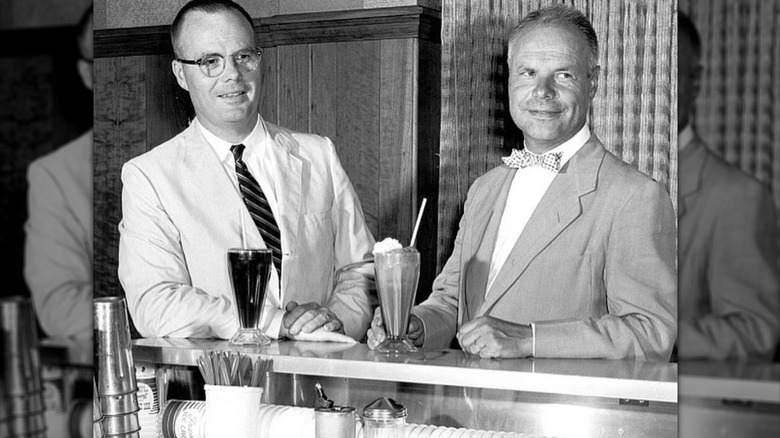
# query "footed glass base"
(396, 346)
(249, 336)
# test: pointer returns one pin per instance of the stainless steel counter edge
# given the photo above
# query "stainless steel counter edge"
(585, 378)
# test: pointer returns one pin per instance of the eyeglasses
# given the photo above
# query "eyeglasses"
(213, 65)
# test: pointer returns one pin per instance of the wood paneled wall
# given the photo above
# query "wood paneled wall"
(369, 80)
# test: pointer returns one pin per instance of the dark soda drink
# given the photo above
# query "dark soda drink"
(249, 271)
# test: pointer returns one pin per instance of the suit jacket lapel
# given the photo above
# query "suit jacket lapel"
(479, 249)
(212, 185)
(289, 182)
(691, 165)
(558, 208)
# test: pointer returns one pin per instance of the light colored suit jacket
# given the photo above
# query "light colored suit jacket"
(593, 268)
(181, 215)
(58, 246)
(728, 281)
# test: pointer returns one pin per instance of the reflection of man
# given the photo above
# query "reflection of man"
(576, 262)
(729, 302)
(183, 202)
(58, 247)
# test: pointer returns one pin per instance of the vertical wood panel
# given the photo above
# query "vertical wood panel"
(269, 96)
(398, 147)
(120, 134)
(344, 96)
(166, 114)
(293, 76)
(428, 124)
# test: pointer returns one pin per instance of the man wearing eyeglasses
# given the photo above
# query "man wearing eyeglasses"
(185, 203)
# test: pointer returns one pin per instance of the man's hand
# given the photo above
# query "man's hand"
(490, 337)
(309, 317)
(376, 334)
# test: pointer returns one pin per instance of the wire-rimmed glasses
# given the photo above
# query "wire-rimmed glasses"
(214, 64)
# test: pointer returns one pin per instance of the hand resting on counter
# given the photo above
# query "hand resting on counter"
(306, 318)
(489, 337)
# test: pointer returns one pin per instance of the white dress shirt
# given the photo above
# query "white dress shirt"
(255, 156)
(528, 187)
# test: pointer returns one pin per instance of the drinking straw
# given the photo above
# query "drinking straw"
(419, 218)
(243, 230)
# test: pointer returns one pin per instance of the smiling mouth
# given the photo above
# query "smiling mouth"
(234, 94)
(545, 114)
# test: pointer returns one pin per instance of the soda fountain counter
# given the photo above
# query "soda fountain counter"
(541, 397)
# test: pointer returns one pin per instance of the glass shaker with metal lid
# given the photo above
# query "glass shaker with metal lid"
(384, 418)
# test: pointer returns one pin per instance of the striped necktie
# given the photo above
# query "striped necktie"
(258, 207)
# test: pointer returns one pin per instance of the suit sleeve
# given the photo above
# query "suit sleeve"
(58, 261)
(439, 313)
(354, 294)
(743, 283)
(153, 270)
(641, 289)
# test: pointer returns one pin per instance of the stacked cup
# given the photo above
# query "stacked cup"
(115, 370)
(97, 413)
(21, 393)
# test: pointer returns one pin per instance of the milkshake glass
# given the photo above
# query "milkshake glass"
(397, 274)
(249, 271)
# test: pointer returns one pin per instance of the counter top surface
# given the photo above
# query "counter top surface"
(636, 380)
(737, 380)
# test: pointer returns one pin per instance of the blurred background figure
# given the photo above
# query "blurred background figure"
(58, 245)
(729, 301)
(45, 105)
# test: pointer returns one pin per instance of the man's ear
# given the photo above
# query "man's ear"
(178, 71)
(85, 71)
(594, 80)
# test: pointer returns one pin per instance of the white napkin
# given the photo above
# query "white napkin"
(322, 335)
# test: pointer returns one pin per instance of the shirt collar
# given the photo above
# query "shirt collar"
(572, 145)
(222, 147)
(685, 137)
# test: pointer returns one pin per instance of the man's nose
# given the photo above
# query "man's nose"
(544, 88)
(231, 69)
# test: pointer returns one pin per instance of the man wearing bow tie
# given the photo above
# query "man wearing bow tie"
(565, 251)
(184, 203)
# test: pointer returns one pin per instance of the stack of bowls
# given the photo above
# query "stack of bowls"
(115, 368)
(21, 393)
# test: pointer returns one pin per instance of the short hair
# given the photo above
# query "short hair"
(84, 28)
(560, 15)
(210, 6)
(686, 28)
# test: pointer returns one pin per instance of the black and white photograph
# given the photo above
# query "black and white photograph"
(390, 218)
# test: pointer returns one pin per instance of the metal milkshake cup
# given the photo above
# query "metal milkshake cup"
(114, 371)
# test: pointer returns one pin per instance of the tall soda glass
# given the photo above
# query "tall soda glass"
(249, 271)
(397, 274)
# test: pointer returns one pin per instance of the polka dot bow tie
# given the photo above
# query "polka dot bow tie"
(521, 159)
